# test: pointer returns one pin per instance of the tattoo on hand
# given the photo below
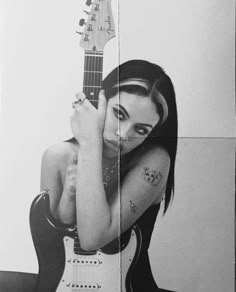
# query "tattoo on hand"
(132, 207)
(152, 177)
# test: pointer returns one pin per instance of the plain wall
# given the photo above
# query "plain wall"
(193, 245)
(41, 67)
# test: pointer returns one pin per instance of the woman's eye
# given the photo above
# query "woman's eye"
(118, 114)
(142, 131)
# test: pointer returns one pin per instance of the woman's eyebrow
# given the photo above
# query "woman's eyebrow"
(146, 125)
(123, 109)
(126, 113)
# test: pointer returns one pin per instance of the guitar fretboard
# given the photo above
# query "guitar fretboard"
(93, 67)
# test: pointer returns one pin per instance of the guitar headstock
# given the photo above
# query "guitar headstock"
(99, 27)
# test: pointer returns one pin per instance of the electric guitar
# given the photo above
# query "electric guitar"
(63, 265)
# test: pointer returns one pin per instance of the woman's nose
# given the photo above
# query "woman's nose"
(123, 133)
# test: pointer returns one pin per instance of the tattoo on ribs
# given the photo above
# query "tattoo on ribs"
(152, 177)
(132, 207)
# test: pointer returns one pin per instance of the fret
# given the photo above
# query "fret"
(97, 56)
(94, 71)
(93, 64)
(92, 86)
(91, 92)
(94, 53)
(92, 79)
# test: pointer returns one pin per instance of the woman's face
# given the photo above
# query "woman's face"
(129, 120)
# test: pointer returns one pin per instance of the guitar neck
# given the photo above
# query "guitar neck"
(93, 68)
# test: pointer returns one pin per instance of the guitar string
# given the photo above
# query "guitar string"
(96, 67)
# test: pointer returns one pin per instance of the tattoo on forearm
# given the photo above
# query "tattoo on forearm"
(152, 177)
(133, 208)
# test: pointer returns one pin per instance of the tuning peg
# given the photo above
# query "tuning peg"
(88, 2)
(79, 32)
(81, 22)
(93, 17)
(86, 12)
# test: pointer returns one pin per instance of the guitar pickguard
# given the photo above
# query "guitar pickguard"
(98, 272)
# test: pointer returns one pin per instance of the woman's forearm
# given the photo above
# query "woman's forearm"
(92, 210)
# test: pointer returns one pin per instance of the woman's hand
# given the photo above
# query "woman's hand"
(66, 210)
(69, 189)
(87, 122)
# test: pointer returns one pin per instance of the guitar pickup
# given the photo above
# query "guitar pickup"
(85, 262)
(83, 286)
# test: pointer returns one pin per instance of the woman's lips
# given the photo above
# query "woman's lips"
(115, 145)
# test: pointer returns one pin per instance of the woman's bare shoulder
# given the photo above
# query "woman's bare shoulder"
(153, 156)
(59, 154)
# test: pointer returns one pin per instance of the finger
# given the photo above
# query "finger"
(84, 104)
(80, 95)
(102, 104)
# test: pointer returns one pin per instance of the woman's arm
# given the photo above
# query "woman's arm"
(93, 211)
(98, 222)
(62, 194)
(59, 164)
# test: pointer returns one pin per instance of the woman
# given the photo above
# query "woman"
(120, 164)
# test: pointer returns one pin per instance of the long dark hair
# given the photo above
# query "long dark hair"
(165, 134)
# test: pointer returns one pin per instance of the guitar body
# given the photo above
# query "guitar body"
(61, 269)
